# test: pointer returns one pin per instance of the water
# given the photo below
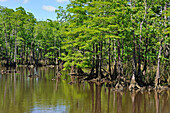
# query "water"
(21, 94)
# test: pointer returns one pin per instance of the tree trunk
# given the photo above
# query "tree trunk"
(115, 63)
(6, 43)
(31, 54)
(97, 61)
(27, 55)
(157, 78)
(109, 59)
(23, 54)
(15, 51)
(119, 59)
(93, 64)
(140, 39)
(145, 58)
(166, 49)
(134, 56)
(133, 82)
(122, 57)
(59, 49)
(100, 60)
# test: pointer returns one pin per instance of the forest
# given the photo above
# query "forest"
(121, 42)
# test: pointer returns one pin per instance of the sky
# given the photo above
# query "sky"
(42, 9)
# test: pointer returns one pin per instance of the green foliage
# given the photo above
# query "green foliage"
(87, 29)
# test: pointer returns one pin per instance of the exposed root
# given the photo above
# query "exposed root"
(120, 83)
(118, 86)
(77, 72)
(133, 84)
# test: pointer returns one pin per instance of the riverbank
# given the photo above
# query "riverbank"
(120, 83)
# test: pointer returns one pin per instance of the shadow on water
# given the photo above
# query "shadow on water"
(46, 92)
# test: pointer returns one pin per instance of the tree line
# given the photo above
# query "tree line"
(116, 39)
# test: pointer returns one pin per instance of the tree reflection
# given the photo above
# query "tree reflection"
(134, 101)
(98, 99)
(57, 80)
(119, 102)
(108, 100)
(92, 95)
(23, 94)
(157, 96)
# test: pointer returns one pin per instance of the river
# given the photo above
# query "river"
(44, 93)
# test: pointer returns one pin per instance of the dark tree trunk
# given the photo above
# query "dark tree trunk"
(93, 64)
(133, 82)
(115, 63)
(98, 99)
(119, 62)
(134, 56)
(11, 45)
(59, 52)
(97, 61)
(23, 54)
(6, 43)
(100, 60)
(122, 57)
(45, 56)
(27, 55)
(145, 58)
(109, 59)
(139, 48)
(31, 54)
(15, 51)
(139, 54)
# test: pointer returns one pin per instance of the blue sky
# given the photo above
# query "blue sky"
(42, 9)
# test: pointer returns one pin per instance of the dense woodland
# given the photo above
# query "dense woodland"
(115, 39)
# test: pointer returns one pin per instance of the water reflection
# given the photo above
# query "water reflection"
(157, 101)
(20, 93)
(92, 95)
(119, 102)
(98, 99)
(108, 100)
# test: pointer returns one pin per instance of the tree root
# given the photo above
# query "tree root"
(118, 86)
(133, 84)
(121, 83)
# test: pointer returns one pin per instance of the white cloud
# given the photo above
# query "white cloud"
(49, 8)
(25, 1)
(62, 1)
(3, 0)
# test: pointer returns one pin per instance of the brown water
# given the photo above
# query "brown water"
(21, 94)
